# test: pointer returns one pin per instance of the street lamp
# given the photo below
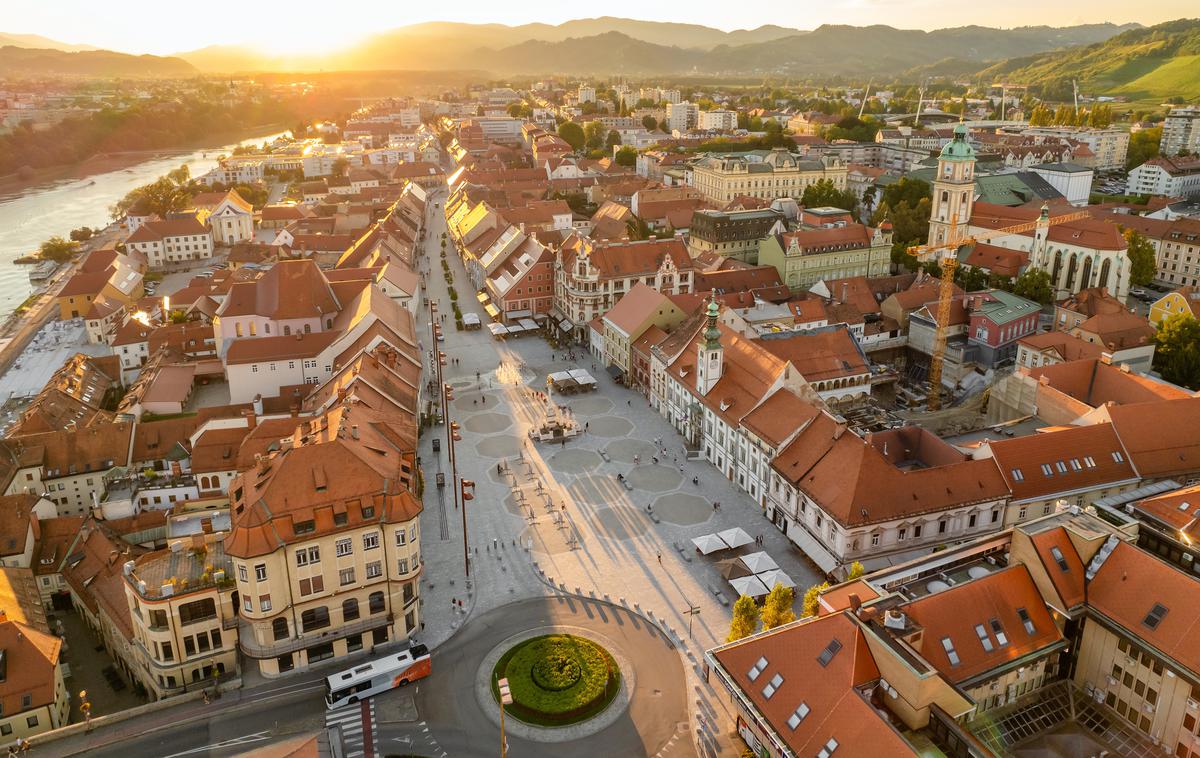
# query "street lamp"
(464, 486)
(505, 699)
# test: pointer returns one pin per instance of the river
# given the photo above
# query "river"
(34, 214)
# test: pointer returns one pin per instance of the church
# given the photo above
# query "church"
(1077, 254)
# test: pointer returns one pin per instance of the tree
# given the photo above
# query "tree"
(1143, 145)
(573, 134)
(1034, 284)
(58, 249)
(856, 571)
(340, 166)
(649, 123)
(745, 619)
(627, 156)
(82, 234)
(971, 279)
(777, 610)
(853, 129)
(811, 596)
(1142, 264)
(594, 134)
(1177, 350)
(823, 192)
(613, 139)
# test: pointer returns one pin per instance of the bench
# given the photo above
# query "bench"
(681, 549)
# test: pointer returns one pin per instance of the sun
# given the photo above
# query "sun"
(307, 40)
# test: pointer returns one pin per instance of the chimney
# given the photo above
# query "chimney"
(855, 602)
(354, 431)
(251, 419)
(258, 405)
(845, 291)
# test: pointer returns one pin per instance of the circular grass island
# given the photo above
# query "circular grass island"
(557, 679)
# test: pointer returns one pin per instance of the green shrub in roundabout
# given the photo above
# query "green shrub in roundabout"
(557, 679)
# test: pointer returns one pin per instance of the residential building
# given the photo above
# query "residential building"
(1109, 145)
(732, 234)
(585, 94)
(1181, 131)
(769, 175)
(167, 243)
(1169, 177)
(325, 541)
(33, 693)
(227, 214)
(185, 626)
(641, 308)
(1185, 300)
(718, 120)
(841, 250)
(592, 276)
(682, 117)
(1073, 181)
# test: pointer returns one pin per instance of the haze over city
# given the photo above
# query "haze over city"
(311, 26)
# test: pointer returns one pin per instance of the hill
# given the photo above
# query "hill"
(19, 61)
(607, 45)
(40, 42)
(1153, 63)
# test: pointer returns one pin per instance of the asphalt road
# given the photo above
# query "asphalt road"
(447, 705)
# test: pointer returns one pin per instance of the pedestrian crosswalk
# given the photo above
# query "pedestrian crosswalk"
(349, 721)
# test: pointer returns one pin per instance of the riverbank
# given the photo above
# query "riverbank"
(105, 162)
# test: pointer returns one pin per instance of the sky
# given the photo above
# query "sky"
(159, 27)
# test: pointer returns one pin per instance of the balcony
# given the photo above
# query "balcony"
(255, 649)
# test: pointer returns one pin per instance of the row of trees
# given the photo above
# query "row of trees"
(777, 607)
(1099, 116)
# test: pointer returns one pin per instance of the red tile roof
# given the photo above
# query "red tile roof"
(1160, 437)
(1078, 458)
(1069, 582)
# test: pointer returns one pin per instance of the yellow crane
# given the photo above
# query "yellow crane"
(947, 258)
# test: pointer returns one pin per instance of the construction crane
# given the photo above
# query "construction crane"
(947, 258)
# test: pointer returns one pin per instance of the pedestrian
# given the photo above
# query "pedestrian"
(498, 470)
(206, 700)
(587, 425)
(629, 403)
(564, 442)
(660, 559)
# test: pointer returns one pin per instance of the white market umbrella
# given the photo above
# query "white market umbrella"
(750, 586)
(759, 562)
(774, 577)
(735, 537)
(709, 543)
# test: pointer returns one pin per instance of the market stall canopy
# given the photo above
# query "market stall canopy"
(758, 562)
(774, 577)
(750, 586)
(709, 543)
(735, 537)
(732, 568)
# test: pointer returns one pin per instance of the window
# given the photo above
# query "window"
(196, 611)
(202, 642)
(402, 565)
(349, 609)
(1047, 470)
(1062, 467)
(984, 639)
(951, 653)
(304, 527)
(374, 569)
(249, 603)
(279, 628)
(998, 630)
(874, 540)
(1155, 616)
(339, 519)
(5, 730)
(772, 686)
(168, 652)
(798, 715)
(401, 538)
(1021, 512)
(1117, 457)
(1028, 622)
(375, 603)
(1076, 465)
(264, 603)
(346, 576)
(972, 520)
(31, 722)
(260, 572)
(1089, 461)
(917, 531)
(312, 585)
(305, 556)
(370, 541)
(829, 652)
(189, 646)
(314, 618)
(354, 642)
(942, 526)
(368, 511)
(901, 534)
(1017, 475)
(1059, 559)
(344, 547)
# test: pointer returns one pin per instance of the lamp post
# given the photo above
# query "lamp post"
(464, 486)
(505, 699)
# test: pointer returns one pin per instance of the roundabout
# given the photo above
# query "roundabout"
(645, 712)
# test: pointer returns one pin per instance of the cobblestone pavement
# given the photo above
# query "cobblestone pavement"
(558, 516)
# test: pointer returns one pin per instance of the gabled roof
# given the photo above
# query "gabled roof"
(991, 602)
(154, 231)
(833, 706)
(1067, 347)
(1073, 459)
(1096, 382)
(1062, 564)
(638, 305)
(31, 659)
(1160, 437)
(291, 289)
(1128, 587)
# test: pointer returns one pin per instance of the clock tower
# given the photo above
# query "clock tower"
(953, 190)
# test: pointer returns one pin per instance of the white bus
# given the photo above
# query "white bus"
(363, 681)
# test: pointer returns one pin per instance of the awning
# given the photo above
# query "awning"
(482, 296)
(615, 371)
(759, 562)
(514, 315)
(492, 310)
(566, 324)
(813, 549)
(709, 543)
(735, 537)
(749, 585)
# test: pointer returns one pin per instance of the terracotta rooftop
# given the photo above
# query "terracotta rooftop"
(1068, 347)
(31, 659)
(1069, 460)
(1062, 564)
(1095, 382)
(153, 231)
(1160, 437)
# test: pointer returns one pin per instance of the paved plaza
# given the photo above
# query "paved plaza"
(596, 516)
